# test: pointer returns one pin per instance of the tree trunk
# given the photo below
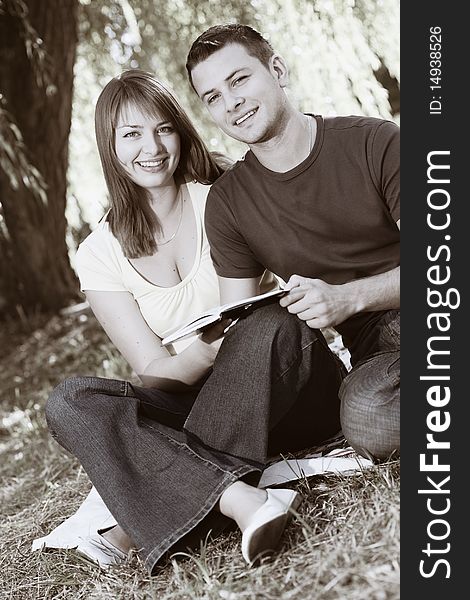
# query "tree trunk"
(36, 273)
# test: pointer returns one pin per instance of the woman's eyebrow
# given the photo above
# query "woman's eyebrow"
(141, 126)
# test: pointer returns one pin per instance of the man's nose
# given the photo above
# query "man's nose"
(233, 102)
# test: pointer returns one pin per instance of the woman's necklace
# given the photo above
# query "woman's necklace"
(179, 223)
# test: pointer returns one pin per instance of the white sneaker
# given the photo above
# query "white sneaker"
(268, 523)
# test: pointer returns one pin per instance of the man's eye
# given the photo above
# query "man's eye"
(239, 80)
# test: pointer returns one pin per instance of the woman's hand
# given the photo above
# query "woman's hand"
(214, 336)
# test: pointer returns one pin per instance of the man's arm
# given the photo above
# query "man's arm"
(232, 290)
(320, 304)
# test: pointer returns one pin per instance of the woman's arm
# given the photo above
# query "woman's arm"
(120, 317)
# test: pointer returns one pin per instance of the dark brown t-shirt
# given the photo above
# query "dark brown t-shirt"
(332, 217)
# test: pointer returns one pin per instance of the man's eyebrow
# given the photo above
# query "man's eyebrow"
(225, 80)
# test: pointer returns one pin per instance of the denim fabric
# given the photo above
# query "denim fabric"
(161, 461)
(283, 389)
(370, 394)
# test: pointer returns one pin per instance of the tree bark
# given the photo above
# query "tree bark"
(36, 273)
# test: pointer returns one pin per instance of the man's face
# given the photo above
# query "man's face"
(245, 98)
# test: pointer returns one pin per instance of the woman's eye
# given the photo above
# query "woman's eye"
(165, 129)
(213, 99)
(131, 134)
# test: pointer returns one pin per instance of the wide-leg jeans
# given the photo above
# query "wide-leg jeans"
(161, 460)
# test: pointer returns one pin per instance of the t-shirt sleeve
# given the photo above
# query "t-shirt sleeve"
(97, 271)
(230, 253)
(385, 161)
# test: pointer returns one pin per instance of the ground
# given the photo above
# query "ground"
(343, 546)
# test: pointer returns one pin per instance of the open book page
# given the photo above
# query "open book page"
(226, 309)
(231, 310)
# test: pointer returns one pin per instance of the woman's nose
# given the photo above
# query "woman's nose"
(151, 144)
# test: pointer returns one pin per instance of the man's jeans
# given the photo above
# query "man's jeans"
(161, 461)
(370, 394)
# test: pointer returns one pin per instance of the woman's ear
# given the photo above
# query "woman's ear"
(279, 70)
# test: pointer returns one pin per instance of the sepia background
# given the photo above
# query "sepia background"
(55, 57)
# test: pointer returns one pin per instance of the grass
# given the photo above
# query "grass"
(344, 544)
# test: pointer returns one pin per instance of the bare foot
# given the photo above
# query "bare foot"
(119, 538)
(240, 501)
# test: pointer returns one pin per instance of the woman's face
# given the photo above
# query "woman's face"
(148, 148)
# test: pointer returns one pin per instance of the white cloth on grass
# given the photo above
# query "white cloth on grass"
(340, 460)
(93, 514)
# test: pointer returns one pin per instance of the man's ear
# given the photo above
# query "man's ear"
(279, 70)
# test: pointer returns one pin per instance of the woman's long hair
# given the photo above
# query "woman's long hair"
(131, 219)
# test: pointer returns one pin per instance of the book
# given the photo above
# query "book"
(233, 310)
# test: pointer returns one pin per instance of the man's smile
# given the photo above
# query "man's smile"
(245, 117)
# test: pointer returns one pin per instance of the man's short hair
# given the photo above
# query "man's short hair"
(219, 36)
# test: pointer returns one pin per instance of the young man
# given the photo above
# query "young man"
(316, 201)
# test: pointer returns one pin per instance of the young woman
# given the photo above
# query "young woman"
(189, 445)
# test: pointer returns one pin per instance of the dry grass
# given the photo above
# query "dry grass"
(344, 545)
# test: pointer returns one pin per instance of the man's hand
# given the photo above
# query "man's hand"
(320, 304)
(317, 303)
